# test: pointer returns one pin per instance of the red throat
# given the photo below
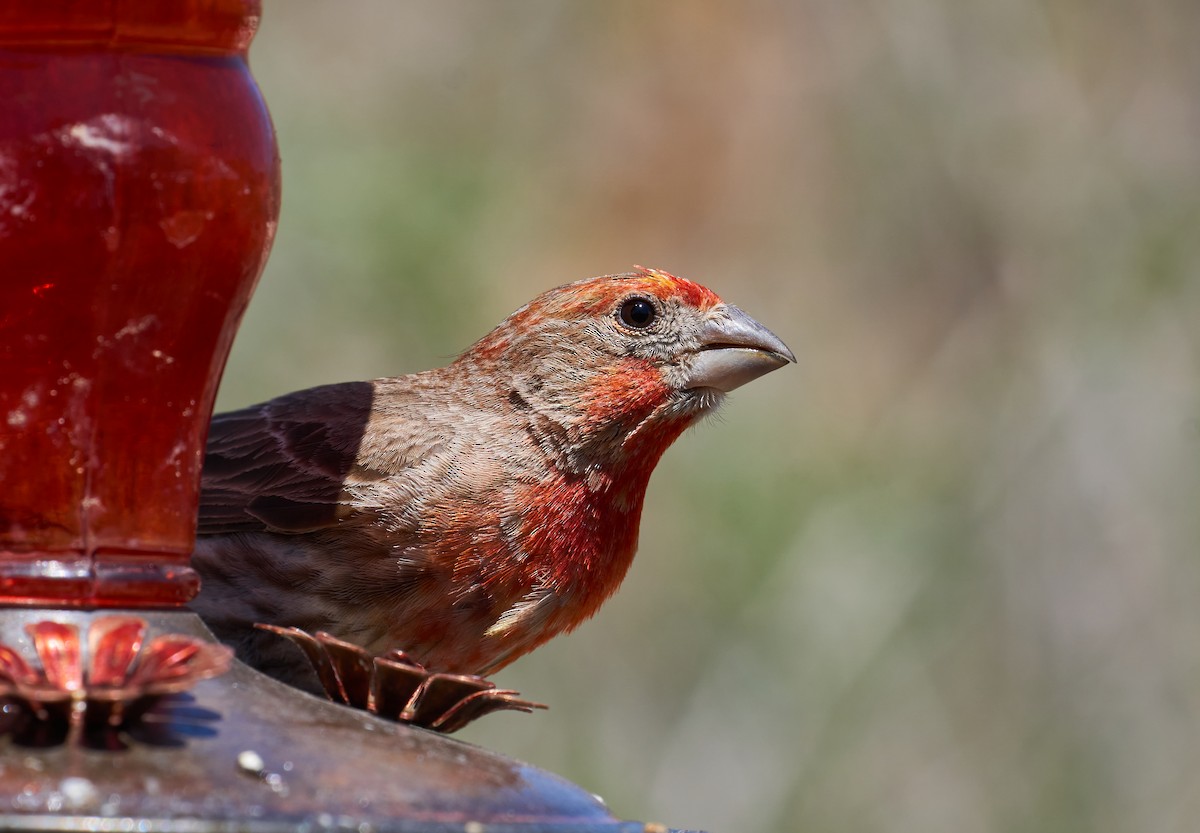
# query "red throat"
(583, 529)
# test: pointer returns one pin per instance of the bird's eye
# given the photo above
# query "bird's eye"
(638, 313)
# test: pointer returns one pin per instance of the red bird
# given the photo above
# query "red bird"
(470, 513)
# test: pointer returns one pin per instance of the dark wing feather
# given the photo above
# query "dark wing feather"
(280, 466)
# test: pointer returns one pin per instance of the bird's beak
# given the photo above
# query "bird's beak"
(734, 349)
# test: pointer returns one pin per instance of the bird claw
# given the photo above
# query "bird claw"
(397, 687)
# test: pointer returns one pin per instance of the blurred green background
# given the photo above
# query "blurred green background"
(940, 577)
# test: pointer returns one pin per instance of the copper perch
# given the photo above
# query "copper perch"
(120, 680)
(397, 687)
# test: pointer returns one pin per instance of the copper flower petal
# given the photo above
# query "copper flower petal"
(208, 660)
(57, 646)
(441, 693)
(173, 663)
(479, 704)
(394, 685)
(167, 657)
(113, 645)
(14, 668)
(353, 666)
(317, 657)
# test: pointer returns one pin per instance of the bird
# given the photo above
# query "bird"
(469, 513)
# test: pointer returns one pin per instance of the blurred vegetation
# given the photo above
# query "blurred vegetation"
(943, 575)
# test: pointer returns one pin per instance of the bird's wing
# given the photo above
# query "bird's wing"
(283, 466)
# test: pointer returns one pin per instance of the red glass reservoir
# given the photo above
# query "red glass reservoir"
(139, 189)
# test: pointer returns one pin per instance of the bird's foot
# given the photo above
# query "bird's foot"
(397, 687)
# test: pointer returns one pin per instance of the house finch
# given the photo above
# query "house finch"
(466, 514)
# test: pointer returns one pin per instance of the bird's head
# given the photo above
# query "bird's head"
(607, 360)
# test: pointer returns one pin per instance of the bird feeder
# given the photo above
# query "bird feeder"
(139, 192)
